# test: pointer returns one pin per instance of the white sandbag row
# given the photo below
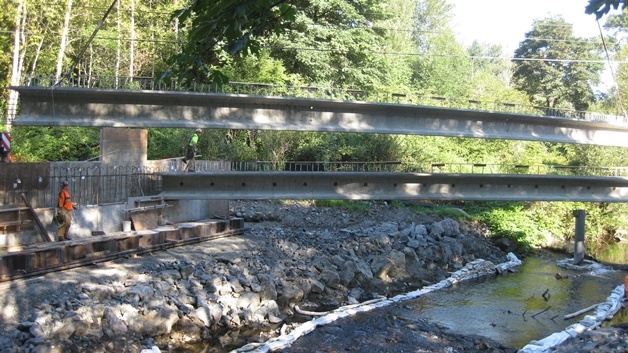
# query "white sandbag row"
(604, 311)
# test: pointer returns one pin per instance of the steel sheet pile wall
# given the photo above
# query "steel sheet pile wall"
(37, 259)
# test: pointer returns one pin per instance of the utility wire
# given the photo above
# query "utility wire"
(374, 52)
(80, 55)
(619, 100)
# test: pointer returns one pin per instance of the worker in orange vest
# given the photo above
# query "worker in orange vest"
(64, 212)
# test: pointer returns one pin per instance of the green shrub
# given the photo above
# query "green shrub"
(348, 205)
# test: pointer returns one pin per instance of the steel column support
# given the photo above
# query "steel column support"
(578, 251)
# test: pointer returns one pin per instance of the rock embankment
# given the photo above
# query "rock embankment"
(293, 255)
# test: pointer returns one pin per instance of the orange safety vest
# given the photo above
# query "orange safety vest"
(64, 199)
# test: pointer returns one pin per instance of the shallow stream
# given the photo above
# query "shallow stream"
(512, 309)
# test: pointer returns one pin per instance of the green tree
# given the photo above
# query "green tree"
(602, 7)
(398, 45)
(7, 20)
(556, 69)
(618, 46)
(491, 75)
(442, 66)
(218, 28)
(38, 144)
(333, 43)
(259, 68)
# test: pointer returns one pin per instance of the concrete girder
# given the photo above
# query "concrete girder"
(40, 106)
(392, 186)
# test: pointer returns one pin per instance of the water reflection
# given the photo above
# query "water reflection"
(616, 254)
(513, 308)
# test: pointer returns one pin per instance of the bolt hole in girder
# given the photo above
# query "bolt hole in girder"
(453, 185)
(181, 183)
(211, 184)
(562, 186)
(509, 186)
(394, 185)
(274, 184)
(335, 183)
(243, 184)
(366, 184)
(481, 185)
(536, 186)
(305, 183)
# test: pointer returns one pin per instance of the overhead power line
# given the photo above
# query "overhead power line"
(385, 53)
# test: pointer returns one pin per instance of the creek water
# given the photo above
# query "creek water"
(513, 308)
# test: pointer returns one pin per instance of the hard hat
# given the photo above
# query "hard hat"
(199, 130)
(64, 183)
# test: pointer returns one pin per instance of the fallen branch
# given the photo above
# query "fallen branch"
(580, 312)
(542, 311)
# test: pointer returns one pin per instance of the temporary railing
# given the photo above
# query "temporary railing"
(457, 168)
(309, 166)
(261, 89)
(538, 169)
(92, 183)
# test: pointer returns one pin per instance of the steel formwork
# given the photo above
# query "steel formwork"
(41, 258)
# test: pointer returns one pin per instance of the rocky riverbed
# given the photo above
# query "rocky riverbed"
(294, 257)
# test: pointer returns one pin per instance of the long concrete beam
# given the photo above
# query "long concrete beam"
(40, 106)
(392, 186)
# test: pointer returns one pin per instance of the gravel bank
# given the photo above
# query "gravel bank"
(206, 296)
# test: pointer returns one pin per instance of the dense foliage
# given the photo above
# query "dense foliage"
(561, 69)
(375, 46)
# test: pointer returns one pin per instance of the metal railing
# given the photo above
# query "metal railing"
(535, 169)
(455, 168)
(262, 89)
(308, 166)
(92, 183)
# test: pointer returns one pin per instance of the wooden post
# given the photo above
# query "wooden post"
(43, 231)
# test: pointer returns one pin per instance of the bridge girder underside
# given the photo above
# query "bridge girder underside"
(392, 186)
(40, 106)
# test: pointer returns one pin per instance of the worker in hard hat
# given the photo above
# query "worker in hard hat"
(64, 212)
(191, 150)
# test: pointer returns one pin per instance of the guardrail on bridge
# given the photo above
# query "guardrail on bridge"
(335, 93)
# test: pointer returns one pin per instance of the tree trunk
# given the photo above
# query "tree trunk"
(37, 52)
(16, 69)
(132, 44)
(64, 42)
(117, 71)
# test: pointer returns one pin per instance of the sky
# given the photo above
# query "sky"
(506, 22)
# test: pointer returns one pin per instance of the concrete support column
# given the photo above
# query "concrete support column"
(578, 253)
